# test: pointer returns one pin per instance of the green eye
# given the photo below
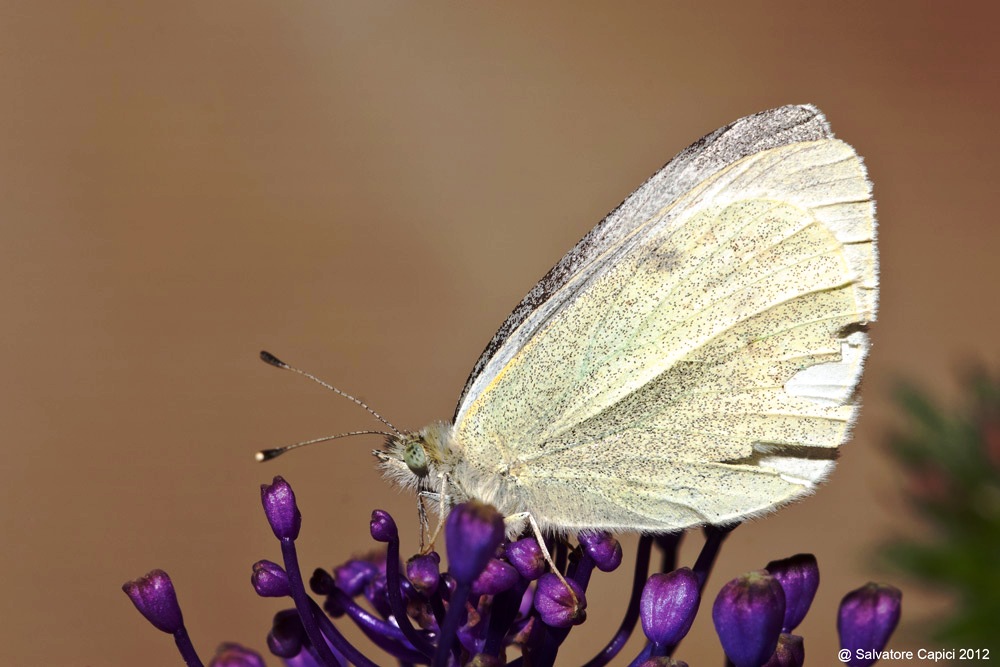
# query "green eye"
(415, 458)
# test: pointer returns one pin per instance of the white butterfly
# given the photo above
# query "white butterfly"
(693, 360)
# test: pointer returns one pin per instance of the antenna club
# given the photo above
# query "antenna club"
(269, 358)
(268, 454)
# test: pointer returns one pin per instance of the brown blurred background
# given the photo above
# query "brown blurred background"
(366, 190)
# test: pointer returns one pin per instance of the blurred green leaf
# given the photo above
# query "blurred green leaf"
(951, 457)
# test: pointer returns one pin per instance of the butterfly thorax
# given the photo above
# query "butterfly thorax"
(432, 460)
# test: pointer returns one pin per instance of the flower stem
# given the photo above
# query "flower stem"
(186, 648)
(298, 591)
(714, 536)
(669, 543)
(385, 635)
(505, 608)
(449, 631)
(392, 581)
(632, 613)
(332, 634)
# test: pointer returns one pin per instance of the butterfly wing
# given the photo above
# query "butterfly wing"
(716, 151)
(693, 359)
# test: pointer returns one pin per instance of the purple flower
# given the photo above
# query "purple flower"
(603, 548)
(668, 606)
(748, 613)
(280, 508)
(496, 578)
(354, 575)
(557, 605)
(496, 596)
(866, 620)
(153, 595)
(287, 636)
(269, 580)
(799, 578)
(234, 655)
(473, 532)
(383, 527)
(424, 572)
(526, 557)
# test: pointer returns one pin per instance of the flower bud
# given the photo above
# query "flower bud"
(866, 619)
(496, 578)
(799, 579)
(668, 606)
(557, 605)
(748, 613)
(234, 655)
(424, 572)
(605, 550)
(282, 513)
(473, 532)
(383, 527)
(269, 580)
(354, 575)
(287, 634)
(153, 595)
(322, 582)
(527, 558)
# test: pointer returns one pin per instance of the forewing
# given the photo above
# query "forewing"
(705, 361)
(697, 163)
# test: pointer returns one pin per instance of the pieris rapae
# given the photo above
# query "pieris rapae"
(692, 360)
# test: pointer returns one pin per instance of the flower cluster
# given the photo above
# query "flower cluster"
(499, 594)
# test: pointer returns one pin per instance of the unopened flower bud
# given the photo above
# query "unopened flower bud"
(558, 606)
(280, 508)
(473, 532)
(799, 579)
(153, 595)
(668, 606)
(748, 614)
(269, 580)
(866, 620)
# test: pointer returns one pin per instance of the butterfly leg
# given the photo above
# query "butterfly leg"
(443, 501)
(518, 520)
(425, 527)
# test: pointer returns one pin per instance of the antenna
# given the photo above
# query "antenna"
(269, 358)
(268, 454)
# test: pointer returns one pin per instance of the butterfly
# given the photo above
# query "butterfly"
(692, 360)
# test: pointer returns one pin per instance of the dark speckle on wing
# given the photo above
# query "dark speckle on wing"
(768, 129)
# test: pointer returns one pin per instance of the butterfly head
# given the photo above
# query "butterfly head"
(417, 458)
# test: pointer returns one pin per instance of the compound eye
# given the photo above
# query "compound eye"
(415, 458)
